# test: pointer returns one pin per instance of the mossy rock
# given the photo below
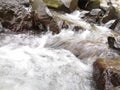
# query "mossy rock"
(53, 3)
(65, 5)
(93, 4)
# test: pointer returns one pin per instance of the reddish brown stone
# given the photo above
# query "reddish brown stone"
(107, 74)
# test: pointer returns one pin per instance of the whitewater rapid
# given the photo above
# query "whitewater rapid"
(52, 62)
(25, 64)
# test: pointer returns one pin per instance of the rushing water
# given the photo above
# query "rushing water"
(49, 62)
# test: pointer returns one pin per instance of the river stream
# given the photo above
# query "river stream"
(53, 62)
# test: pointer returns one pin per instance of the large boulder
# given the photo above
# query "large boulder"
(13, 14)
(64, 5)
(41, 14)
(107, 74)
(17, 16)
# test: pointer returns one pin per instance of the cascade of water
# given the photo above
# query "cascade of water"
(29, 66)
(45, 62)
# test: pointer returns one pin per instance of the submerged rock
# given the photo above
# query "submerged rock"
(107, 74)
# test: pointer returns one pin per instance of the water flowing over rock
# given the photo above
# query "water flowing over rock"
(29, 65)
(107, 74)
(37, 58)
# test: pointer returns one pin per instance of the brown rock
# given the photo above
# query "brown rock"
(94, 16)
(88, 4)
(41, 15)
(110, 14)
(107, 74)
(14, 16)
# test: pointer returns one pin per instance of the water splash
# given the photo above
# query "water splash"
(30, 66)
(49, 62)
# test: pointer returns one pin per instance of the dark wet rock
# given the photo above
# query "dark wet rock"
(83, 3)
(94, 16)
(1, 28)
(110, 14)
(110, 24)
(65, 25)
(88, 4)
(113, 43)
(107, 74)
(116, 26)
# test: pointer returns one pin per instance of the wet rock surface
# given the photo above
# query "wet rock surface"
(42, 15)
(107, 74)
(39, 16)
(114, 43)
(94, 16)
(116, 26)
(110, 14)
(88, 4)
(34, 15)
(63, 5)
(16, 17)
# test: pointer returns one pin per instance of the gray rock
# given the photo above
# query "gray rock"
(95, 12)
(15, 17)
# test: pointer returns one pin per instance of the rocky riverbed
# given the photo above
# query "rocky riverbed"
(59, 45)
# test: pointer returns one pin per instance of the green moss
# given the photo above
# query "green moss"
(53, 3)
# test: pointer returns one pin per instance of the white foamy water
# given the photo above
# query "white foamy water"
(26, 65)
(48, 62)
